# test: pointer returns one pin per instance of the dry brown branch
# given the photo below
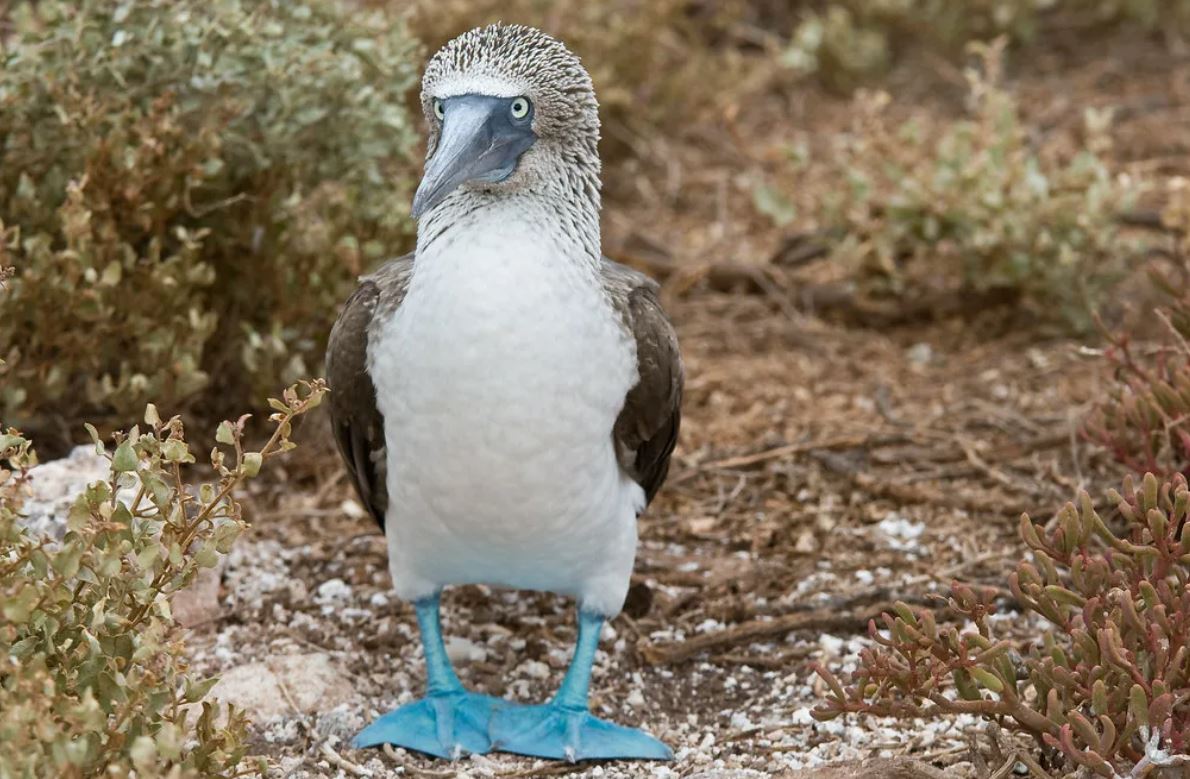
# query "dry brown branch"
(754, 630)
(779, 452)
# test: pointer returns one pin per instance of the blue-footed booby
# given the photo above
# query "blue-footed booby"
(506, 398)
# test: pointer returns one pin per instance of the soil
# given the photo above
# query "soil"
(825, 469)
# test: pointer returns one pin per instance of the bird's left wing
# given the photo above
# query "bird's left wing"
(647, 427)
(355, 419)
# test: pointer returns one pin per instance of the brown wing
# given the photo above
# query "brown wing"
(647, 428)
(355, 418)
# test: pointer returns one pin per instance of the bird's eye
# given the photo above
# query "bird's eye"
(519, 108)
(439, 109)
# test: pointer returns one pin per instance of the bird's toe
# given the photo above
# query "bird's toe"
(560, 733)
(449, 726)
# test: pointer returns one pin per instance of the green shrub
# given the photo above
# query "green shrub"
(94, 679)
(187, 190)
(973, 208)
(846, 43)
(1106, 686)
(850, 42)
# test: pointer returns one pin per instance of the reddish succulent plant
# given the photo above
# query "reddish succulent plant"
(1107, 686)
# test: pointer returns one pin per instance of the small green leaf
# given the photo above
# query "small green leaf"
(66, 562)
(252, 462)
(124, 459)
(1138, 706)
(16, 609)
(143, 752)
(95, 439)
(196, 691)
(987, 679)
(967, 690)
(206, 556)
(176, 451)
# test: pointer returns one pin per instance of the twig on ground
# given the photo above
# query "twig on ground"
(779, 452)
(747, 632)
(779, 660)
(338, 760)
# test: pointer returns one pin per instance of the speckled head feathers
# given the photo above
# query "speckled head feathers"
(509, 60)
(560, 171)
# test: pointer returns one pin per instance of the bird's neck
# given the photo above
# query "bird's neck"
(565, 213)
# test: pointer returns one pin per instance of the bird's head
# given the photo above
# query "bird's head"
(509, 109)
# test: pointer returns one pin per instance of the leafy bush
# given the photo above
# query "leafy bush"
(1144, 420)
(187, 190)
(972, 208)
(849, 42)
(1107, 686)
(94, 679)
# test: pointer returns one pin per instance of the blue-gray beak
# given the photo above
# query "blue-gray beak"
(480, 141)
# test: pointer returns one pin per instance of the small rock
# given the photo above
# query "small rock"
(463, 650)
(920, 354)
(312, 681)
(340, 723)
(333, 590)
(535, 669)
(832, 646)
(55, 485)
(900, 534)
(199, 602)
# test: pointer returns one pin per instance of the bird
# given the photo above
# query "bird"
(506, 399)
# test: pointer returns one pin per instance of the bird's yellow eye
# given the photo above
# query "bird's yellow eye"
(439, 108)
(519, 108)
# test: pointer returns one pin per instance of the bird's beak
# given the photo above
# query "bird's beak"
(479, 141)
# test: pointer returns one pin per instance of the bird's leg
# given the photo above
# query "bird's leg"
(564, 728)
(440, 674)
(576, 685)
(449, 721)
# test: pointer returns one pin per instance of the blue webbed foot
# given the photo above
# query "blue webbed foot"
(448, 724)
(564, 733)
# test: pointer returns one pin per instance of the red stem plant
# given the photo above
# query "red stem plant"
(1144, 421)
(1106, 687)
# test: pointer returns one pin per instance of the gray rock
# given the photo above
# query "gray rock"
(54, 487)
(276, 686)
(339, 725)
(199, 602)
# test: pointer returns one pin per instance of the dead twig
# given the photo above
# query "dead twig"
(780, 452)
(334, 758)
(755, 630)
(545, 770)
(771, 662)
(422, 773)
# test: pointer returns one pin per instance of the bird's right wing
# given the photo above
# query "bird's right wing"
(355, 419)
(647, 428)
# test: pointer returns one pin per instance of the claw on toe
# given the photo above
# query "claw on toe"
(445, 725)
(560, 733)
